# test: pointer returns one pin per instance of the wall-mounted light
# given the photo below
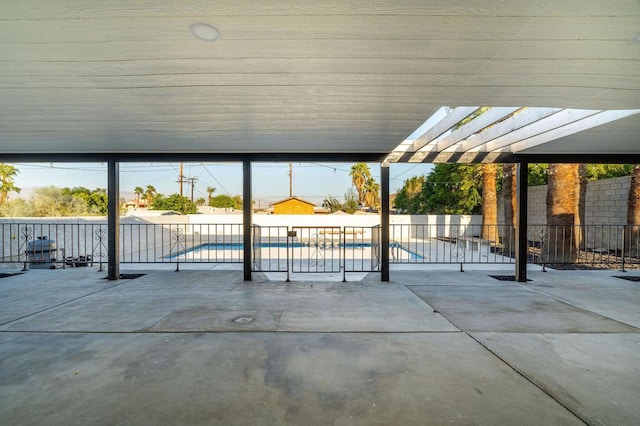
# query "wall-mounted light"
(204, 32)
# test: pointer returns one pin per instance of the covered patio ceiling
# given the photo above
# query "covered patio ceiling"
(307, 78)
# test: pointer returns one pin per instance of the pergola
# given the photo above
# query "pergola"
(320, 81)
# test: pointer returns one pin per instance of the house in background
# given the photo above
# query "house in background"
(134, 205)
(293, 205)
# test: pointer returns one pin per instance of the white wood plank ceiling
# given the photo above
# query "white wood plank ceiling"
(116, 76)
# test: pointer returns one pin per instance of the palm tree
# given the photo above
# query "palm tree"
(200, 201)
(510, 200)
(582, 204)
(563, 193)
(360, 174)
(7, 185)
(149, 194)
(632, 232)
(138, 191)
(372, 193)
(210, 191)
(489, 202)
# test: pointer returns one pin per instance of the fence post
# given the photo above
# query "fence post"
(343, 252)
(522, 245)
(624, 245)
(113, 219)
(26, 236)
(246, 218)
(384, 222)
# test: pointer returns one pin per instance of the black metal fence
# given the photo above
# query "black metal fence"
(321, 248)
(68, 244)
(451, 243)
(181, 243)
(586, 246)
(316, 249)
(271, 248)
(362, 248)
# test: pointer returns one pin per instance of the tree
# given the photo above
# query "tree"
(99, 201)
(360, 174)
(632, 230)
(332, 203)
(95, 201)
(605, 171)
(489, 202)
(210, 191)
(138, 191)
(238, 202)
(16, 208)
(7, 184)
(226, 201)
(201, 201)
(563, 194)
(174, 202)
(537, 174)
(350, 204)
(409, 199)
(453, 189)
(52, 201)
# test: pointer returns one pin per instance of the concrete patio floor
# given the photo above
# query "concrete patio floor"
(431, 347)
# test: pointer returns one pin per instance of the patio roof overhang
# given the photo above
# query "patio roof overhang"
(335, 80)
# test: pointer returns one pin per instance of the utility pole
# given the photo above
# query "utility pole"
(181, 178)
(290, 180)
(193, 184)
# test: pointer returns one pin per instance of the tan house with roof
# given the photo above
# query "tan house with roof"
(293, 205)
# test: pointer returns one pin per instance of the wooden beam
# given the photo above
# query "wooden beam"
(488, 118)
(455, 116)
(523, 118)
(577, 126)
(551, 122)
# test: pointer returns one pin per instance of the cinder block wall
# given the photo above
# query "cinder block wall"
(537, 212)
(606, 202)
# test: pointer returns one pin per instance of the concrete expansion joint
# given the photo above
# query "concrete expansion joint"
(528, 379)
(60, 304)
(582, 308)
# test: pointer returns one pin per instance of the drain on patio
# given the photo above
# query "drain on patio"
(5, 275)
(505, 277)
(628, 278)
(243, 319)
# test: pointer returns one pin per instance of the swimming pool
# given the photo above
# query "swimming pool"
(308, 255)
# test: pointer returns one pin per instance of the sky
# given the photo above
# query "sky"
(311, 181)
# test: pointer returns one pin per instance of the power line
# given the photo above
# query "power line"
(406, 171)
(215, 179)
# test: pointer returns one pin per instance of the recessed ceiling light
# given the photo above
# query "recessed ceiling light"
(635, 39)
(204, 32)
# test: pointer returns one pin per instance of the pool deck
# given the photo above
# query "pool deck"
(433, 346)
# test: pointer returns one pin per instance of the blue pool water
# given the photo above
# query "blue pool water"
(274, 245)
